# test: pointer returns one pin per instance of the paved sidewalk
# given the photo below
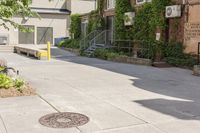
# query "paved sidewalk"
(118, 98)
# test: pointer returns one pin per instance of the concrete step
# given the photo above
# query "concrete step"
(6, 48)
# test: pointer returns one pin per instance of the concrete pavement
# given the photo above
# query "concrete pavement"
(118, 98)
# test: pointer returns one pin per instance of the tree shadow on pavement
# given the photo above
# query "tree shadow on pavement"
(172, 82)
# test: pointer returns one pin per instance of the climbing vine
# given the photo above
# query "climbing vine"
(96, 20)
(121, 31)
(150, 18)
(75, 26)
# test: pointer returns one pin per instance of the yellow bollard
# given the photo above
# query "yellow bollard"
(49, 51)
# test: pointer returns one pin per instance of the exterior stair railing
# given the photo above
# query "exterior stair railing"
(84, 43)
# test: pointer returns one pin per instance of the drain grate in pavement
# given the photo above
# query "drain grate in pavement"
(64, 120)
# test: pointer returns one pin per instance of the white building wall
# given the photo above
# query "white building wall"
(82, 6)
(58, 22)
(49, 4)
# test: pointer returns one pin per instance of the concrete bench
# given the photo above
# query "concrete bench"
(28, 51)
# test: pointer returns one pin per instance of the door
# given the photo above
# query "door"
(44, 35)
(110, 28)
(84, 26)
(27, 37)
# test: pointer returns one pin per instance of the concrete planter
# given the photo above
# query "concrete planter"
(132, 60)
(120, 59)
(197, 70)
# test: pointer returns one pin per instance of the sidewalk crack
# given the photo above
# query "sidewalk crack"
(4, 125)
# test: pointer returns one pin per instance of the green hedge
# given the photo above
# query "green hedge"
(70, 43)
(107, 54)
(75, 27)
(173, 53)
(188, 62)
(6, 82)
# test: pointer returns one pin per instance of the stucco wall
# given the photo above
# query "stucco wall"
(82, 6)
(49, 4)
(58, 22)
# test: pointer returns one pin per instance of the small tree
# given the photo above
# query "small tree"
(11, 8)
(75, 30)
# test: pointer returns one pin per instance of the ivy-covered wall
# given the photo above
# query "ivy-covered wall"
(75, 26)
(121, 31)
(96, 20)
(150, 18)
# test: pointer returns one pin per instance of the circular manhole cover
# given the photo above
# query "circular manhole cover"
(64, 120)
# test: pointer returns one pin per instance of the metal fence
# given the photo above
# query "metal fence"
(140, 49)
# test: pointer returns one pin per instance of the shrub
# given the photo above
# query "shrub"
(112, 55)
(182, 62)
(174, 49)
(101, 53)
(174, 55)
(75, 26)
(19, 83)
(7, 82)
(69, 43)
(106, 54)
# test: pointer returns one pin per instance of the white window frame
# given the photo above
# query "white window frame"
(111, 4)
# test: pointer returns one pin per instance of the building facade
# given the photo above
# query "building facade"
(184, 29)
(53, 23)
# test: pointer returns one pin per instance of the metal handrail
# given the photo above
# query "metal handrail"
(103, 33)
(134, 47)
(90, 35)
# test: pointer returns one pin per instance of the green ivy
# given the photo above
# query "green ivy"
(75, 26)
(96, 19)
(150, 18)
(121, 31)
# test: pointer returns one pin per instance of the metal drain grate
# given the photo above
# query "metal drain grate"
(64, 120)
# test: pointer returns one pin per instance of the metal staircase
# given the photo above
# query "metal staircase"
(101, 40)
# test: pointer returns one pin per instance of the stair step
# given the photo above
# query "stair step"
(100, 45)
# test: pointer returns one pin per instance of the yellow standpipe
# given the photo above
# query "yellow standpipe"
(49, 51)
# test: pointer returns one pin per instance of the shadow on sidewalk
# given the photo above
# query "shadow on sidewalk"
(173, 82)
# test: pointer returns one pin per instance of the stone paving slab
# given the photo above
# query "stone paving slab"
(144, 128)
(2, 127)
(180, 126)
(118, 98)
(21, 115)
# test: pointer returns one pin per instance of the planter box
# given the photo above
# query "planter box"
(197, 70)
(132, 60)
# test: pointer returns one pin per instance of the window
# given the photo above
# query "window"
(26, 37)
(44, 35)
(111, 4)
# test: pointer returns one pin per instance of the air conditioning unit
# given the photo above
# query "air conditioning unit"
(139, 2)
(3, 40)
(173, 11)
(129, 18)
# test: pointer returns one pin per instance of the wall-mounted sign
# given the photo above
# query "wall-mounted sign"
(191, 37)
